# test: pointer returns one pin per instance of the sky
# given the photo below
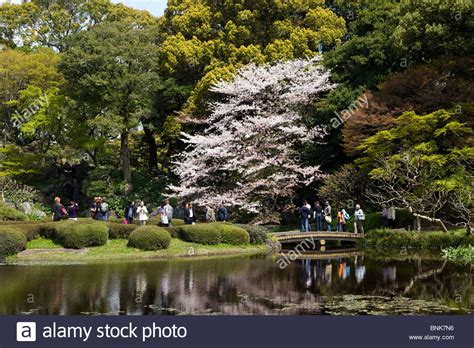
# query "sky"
(157, 7)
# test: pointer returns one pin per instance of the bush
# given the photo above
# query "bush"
(257, 234)
(201, 234)
(231, 234)
(173, 231)
(48, 230)
(404, 219)
(11, 214)
(149, 238)
(31, 231)
(372, 222)
(120, 231)
(384, 239)
(77, 235)
(151, 221)
(12, 241)
(177, 222)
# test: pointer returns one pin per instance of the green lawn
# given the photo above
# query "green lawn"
(45, 250)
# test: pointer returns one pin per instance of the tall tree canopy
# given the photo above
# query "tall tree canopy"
(111, 80)
(49, 23)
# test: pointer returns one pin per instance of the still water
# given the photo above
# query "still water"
(356, 284)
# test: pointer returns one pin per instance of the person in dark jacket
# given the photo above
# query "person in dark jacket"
(58, 209)
(305, 212)
(130, 211)
(318, 216)
(189, 215)
(222, 213)
(72, 210)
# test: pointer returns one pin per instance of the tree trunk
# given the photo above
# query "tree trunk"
(418, 217)
(152, 150)
(125, 159)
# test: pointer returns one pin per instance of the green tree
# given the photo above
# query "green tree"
(110, 79)
(423, 163)
(50, 23)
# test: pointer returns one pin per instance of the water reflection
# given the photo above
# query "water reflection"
(341, 285)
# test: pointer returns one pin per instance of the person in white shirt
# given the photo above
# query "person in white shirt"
(142, 213)
(359, 218)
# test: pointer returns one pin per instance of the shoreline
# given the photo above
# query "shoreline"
(117, 251)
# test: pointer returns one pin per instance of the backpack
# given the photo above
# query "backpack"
(346, 215)
(103, 208)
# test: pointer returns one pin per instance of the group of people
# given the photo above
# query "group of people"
(388, 216)
(222, 214)
(320, 214)
(61, 212)
(99, 209)
(134, 211)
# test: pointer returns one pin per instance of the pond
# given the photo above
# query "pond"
(333, 285)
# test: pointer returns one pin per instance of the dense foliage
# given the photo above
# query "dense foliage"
(98, 99)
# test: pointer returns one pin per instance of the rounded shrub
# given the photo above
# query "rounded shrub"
(77, 235)
(153, 221)
(173, 231)
(8, 213)
(231, 234)
(48, 230)
(120, 231)
(149, 238)
(31, 231)
(200, 233)
(257, 234)
(12, 241)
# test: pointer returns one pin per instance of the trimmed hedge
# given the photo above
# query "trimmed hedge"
(177, 222)
(11, 214)
(120, 231)
(173, 231)
(151, 221)
(33, 230)
(48, 230)
(149, 238)
(200, 233)
(257, 234)
(231, 234)
(386, 239)
(12, 241)
(77, 235)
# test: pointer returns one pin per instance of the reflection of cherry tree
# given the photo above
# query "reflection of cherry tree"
(246, 156)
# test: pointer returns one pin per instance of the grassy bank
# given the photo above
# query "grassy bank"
(44, 250)
(433, 240)
(461, 254)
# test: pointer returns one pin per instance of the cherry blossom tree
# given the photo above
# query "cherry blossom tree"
(246, 156)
